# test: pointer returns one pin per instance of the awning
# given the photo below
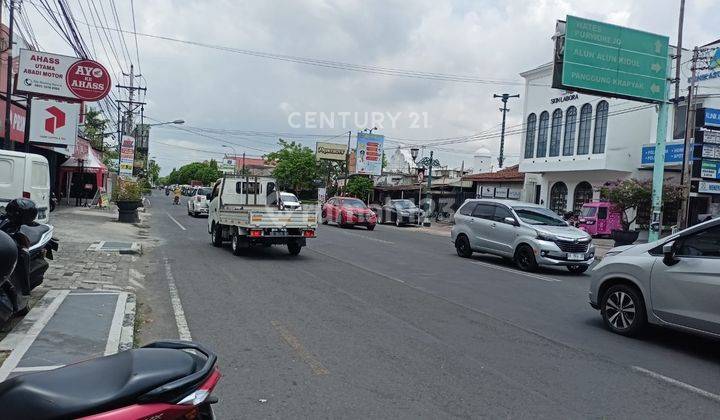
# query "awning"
(90, 158)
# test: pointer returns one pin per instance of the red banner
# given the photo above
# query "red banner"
(17, 122)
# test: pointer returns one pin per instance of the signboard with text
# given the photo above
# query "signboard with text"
(127, 155)
(705, 187)
(674, 153)
(610, 60)
(62, 76)
(330, 151)
(54, 122)
(707, 117)
(368, 154)
(707, 136)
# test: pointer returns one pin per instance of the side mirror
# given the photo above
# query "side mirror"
(669, 253)
(208, 197)
(510, 221)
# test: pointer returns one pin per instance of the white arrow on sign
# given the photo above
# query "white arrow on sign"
(658, 47)
(655, 67)
(654, 88)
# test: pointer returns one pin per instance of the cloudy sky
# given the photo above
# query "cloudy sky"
(245, 101)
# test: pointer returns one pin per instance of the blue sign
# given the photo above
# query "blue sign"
(712, 117)
(368, 154)
(674, 154)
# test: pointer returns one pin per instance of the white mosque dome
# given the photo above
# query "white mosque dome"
(483, 151)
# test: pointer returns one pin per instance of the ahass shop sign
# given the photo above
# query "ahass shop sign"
(62, 76)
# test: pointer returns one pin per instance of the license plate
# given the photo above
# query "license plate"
(575, 257)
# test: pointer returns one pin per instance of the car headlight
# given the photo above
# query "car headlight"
(545, 237)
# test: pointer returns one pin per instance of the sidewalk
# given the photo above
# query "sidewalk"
(86, 305)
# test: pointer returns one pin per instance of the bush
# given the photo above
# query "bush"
(360, 187)
(127, 191)
(631, 194)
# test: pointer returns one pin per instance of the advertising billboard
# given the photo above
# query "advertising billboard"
(330, 151)
(368, 154)
(62, 76)
(127, 155)
(54, 122)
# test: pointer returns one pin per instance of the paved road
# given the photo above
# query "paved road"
(392, 324)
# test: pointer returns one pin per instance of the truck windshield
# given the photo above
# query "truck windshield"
(539, 216)
(353, 202)
(588, 211)
(288, 198)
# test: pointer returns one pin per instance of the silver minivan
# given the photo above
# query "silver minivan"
(673, 282)
(526, 233)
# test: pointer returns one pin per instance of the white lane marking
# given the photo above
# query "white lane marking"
(176, 222)
(180, 320)
(382, 241)
(113, 342)
(677, 383)
(35, 368)
(510, 270)
(19, 351)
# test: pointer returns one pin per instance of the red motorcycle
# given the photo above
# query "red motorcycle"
(159, 381)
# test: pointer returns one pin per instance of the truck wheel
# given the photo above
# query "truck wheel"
(294, 248)
(216, 235)
(235, 244)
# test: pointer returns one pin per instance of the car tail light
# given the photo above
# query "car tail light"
(26, 194)
(256, 233)
(309, 233)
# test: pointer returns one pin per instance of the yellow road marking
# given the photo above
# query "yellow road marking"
(296, 345)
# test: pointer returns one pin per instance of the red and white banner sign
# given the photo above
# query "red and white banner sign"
(127, 155)
(53, 121)
(17, 122)
(62, 76)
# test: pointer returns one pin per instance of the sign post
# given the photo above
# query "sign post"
(609, 60)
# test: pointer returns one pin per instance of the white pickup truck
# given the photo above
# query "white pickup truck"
(239, 213)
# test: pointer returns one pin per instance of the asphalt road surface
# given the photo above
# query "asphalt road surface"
(393, 324)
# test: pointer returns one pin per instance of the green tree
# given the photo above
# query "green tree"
(153, 171)
(206, 172)
(110, 159)
(295, 168)
(94, 127)
(360, 186)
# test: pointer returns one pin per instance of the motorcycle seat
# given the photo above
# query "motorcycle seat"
(93, 386)
(34, 233)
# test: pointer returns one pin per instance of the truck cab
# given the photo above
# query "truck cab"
(25, 175)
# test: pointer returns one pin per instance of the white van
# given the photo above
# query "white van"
(25, 175)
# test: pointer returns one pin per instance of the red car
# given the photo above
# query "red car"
(346, 211)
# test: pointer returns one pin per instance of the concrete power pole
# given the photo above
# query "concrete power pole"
(504, 98)
(125, 123)
(685, 178)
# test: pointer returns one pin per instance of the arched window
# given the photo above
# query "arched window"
(570, 123)
(583, 194)
(555, 133)
(583, 147)
(542, 135)
(558, 198)
(530, 135)
(601, 118)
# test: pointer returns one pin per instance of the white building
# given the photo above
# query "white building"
(482, 161)
(573, 142)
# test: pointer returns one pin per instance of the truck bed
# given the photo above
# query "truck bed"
(265, 217)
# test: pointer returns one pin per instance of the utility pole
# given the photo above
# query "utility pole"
(685, 177)
(678, 53)
(125, 125)
(347, 162)
(8, 91)
(504, 98)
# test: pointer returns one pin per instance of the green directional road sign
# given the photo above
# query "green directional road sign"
(614, 61)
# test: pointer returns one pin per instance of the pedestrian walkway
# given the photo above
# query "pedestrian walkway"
(68, 326)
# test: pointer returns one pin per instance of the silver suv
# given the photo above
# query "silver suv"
(529, 234)
(673, 282)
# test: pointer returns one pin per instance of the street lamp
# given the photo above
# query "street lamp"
(178, 122)
(427, 162)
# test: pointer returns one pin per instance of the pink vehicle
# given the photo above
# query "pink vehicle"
(600, 218)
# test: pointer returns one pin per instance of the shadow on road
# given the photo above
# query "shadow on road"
(507, 263)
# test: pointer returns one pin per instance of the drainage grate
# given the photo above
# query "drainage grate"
(120, 247)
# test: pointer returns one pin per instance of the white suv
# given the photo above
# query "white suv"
(529, 234)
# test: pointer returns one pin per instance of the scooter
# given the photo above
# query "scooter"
(158, 381)
(34, 245)
(176, 200)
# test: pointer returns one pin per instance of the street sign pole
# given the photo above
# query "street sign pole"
(659, 168)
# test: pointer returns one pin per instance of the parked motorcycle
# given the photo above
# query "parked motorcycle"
(157, 381)
(32, 244)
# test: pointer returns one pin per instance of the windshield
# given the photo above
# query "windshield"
(588, 211)
(539, 216)
(288, 197)
(353, 202)
(203, 191)
(403, 204)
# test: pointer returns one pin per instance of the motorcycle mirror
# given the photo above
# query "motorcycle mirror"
(21, 211)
